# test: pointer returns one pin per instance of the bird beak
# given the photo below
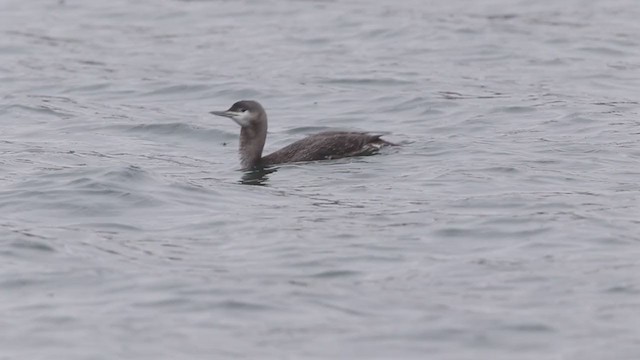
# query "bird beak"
(229, 114)
(241, 118)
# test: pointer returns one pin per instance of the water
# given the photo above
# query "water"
(505, 226)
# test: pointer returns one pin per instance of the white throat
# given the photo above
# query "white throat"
(242, 118)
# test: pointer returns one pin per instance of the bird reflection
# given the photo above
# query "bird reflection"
(258, 176)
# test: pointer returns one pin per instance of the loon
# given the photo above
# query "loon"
(252, 118)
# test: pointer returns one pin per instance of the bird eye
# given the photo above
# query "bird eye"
(242, 110)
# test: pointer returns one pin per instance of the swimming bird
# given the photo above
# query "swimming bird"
(252, 118)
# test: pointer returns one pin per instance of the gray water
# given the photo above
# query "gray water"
(505, 226)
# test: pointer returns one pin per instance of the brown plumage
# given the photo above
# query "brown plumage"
(326, 145)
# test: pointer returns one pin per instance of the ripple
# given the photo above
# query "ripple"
(40, 109)
(179, 130)
(178, 90)
(242, 306)
(335, 274)
(32, 245)
(378, 81)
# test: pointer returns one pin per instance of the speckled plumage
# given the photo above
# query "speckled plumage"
(322, 146)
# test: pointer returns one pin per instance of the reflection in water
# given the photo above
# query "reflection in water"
(257, 176)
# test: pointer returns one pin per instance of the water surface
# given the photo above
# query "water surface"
(505, 226)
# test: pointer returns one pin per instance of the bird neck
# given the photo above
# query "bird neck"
(252, 139)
